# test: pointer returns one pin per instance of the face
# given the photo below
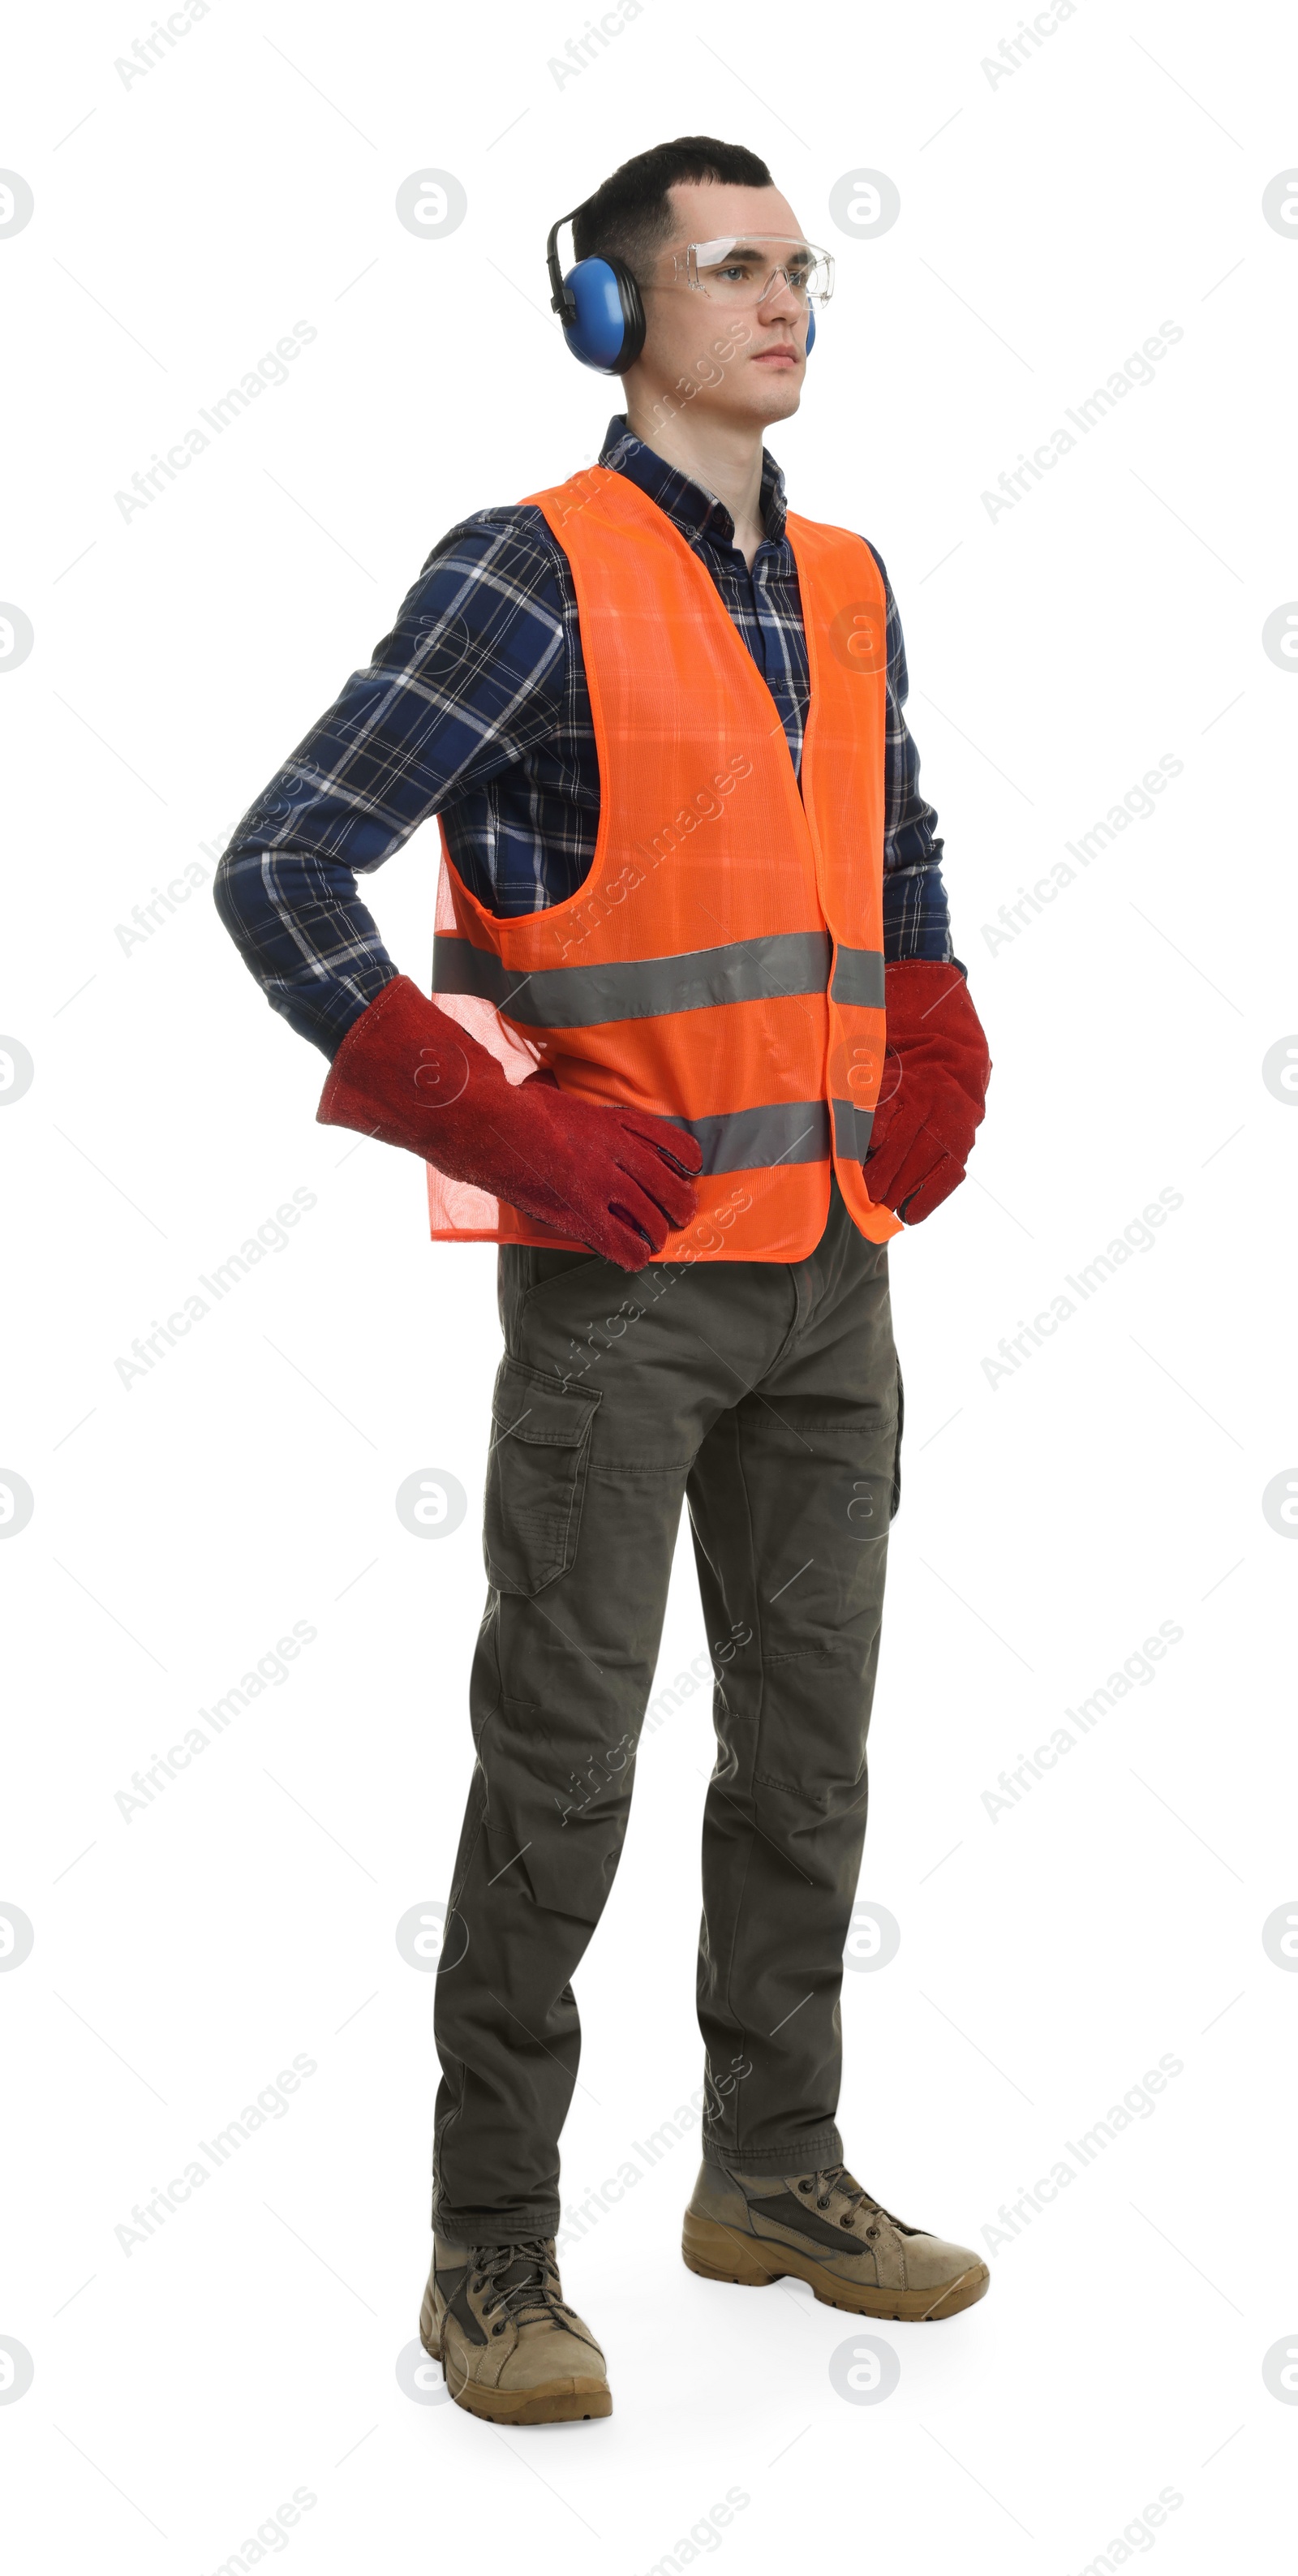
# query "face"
(744, 361)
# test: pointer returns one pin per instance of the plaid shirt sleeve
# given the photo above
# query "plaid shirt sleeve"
(916, 922)
(471, 675)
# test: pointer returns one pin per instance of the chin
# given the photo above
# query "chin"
(777, 397)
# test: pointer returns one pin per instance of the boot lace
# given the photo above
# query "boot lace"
(533, 2295)
(830, 2178)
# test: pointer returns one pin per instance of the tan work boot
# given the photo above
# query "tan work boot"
(494, 2316)
(823, 2228)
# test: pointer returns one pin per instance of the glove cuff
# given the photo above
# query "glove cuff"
(399, 1064)
(929, 1006)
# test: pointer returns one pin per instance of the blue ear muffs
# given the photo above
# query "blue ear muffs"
(811, 330)
(599, 305)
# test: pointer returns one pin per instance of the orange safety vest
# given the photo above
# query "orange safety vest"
(722, 963)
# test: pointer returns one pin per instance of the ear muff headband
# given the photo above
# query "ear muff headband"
(599, 305)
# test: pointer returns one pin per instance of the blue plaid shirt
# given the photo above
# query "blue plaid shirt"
(475, 707)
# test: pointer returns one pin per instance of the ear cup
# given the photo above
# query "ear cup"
(811, 330)
(608, 328)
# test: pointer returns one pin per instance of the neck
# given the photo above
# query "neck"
(724, 456)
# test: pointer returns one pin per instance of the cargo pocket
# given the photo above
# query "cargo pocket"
(896, 1455)
(536, 1477)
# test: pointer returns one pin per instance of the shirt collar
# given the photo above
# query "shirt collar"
(689, 505)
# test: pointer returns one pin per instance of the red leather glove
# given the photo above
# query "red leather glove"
(935, 1075)
(617, 1179)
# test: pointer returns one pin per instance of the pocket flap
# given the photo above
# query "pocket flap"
(528, 1405)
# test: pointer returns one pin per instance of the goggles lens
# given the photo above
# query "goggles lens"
(743, 268)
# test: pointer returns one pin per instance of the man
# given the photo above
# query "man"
(661, 722)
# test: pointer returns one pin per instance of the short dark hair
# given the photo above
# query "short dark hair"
(630, 214)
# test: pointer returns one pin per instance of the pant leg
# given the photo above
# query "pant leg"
(559, 1684)
(608, 1387)
(791, 1498)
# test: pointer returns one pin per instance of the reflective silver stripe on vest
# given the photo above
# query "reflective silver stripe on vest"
(785, 1131)
(747, 1140)
(852, 1130)
(858, 977)
(583, 997)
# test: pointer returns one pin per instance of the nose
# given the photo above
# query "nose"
(779, 295)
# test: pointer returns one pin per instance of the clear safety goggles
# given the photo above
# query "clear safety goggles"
(742, 268)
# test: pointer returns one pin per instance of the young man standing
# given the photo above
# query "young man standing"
(700, 1048)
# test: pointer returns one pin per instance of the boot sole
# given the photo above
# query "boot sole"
(719, 2253)
(564, 2401)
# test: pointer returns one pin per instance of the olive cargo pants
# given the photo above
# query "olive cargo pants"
(767, 1395)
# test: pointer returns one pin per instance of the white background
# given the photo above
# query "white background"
(1049, 223)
